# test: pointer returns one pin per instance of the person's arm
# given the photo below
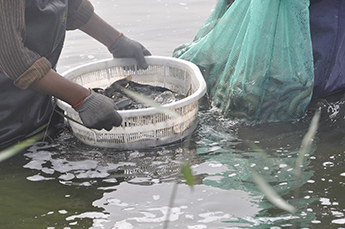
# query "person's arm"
(56, 85)
(100, 30)
(19, 63)
(118, 44)
(27, 69)
(95, 110)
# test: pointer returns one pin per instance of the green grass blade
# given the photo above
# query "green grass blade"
(187, 174)
(13, 150)
(150, 102)
(271, 194)
(307, 142)
(37, 131)
(69, 118)
(304, 149)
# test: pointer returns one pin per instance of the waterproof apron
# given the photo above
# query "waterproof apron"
(23, 111)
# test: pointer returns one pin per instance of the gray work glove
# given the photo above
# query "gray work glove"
(98, 111)
(127, 48)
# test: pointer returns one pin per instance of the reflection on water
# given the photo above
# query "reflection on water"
(65, 184)
(68, 184)
(197, 209)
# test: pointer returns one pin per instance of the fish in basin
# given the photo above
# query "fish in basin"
(158, 94)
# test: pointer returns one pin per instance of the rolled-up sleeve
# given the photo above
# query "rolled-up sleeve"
(79, 13)
(17, 62)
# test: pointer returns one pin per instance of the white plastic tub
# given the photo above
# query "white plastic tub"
(141, 128)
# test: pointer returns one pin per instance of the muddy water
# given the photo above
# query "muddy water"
(65, 184)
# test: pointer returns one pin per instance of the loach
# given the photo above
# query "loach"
(158, 94)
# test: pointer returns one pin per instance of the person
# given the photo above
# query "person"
(31, 39)
(327, 27)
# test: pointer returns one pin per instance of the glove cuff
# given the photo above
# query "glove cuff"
(78, 104)
(112, 44)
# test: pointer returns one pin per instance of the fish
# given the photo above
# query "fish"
(158, 94)
(116, 86)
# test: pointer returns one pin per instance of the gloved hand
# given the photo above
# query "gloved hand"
(98, 111)
(127, 48)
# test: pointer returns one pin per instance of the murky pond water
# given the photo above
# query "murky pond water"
(65, 184)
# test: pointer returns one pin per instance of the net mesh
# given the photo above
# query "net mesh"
(256, 57)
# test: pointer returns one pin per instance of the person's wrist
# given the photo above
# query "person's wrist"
(116, 40)
(83, 96)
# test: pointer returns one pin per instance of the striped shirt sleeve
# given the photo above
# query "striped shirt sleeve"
(79, 13)
(16, 60)
(19, 63)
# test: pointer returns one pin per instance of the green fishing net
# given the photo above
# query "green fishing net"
(256, 57)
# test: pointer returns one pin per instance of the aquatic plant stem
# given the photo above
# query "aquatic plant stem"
(187, 174)
(30, 139)
(270, 193)
(264, 186)
(69, 118)
(305, 148)
(306, 143)
(17, 148)
(150, 102)
(171, 204)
